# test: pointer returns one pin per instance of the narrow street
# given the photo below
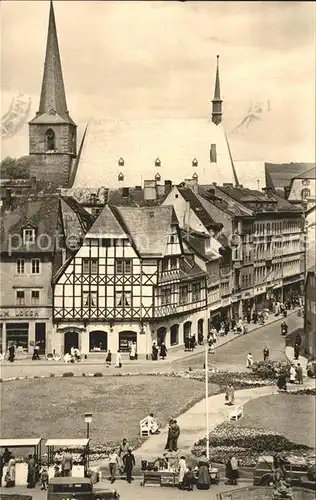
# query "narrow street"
(232, 356)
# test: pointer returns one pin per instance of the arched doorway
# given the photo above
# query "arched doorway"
(71, 340)
(126, 338)
(98, 341)
(200, 330)
(187, 330)
(174, 335)
(161, 335)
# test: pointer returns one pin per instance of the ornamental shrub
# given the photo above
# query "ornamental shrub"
(270, 369)
(98, 374)
(68, 374)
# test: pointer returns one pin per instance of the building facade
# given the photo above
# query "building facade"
(130, 282)
(36, 236)
(310, 313)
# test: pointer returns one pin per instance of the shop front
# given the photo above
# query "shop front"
(260, 293)
(293, 286)
(226, 308)
(248, 301)
(24, 328)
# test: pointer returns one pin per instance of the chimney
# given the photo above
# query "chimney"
(287, 190)
(168, 187)
(267, 190)
(150, 190)
(186, 217)
(211, 191)
(193, 184)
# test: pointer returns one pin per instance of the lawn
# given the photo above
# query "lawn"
(54, 408)
(292, 416)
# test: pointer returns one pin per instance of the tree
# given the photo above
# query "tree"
(16, 168)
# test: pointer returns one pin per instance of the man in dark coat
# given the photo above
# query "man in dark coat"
(11, 353)
(129, 462)
(174, 433)
(163, 351)
(296, 351)
(266, 353)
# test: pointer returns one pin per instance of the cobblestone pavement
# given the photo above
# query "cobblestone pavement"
(134, 491)
(230, 355)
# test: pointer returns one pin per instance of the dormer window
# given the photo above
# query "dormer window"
(120, 177)
(157, 162)
(195, 163)
(213, 154)
(29, 236)
(157, 177)
(305, 193)
(50, 140)
(121, 162)
(195, 176)
(93, 199)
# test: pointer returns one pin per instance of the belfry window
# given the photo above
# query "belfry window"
(120, 177)
(157, 177)
(50, 140)
(195, 162)
(157, 162)
(195, 176)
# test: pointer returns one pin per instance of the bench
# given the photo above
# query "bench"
(144, 427)
(236, 413)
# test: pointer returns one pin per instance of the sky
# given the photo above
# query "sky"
(142, 59)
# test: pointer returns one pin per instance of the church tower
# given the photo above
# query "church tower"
(217, 101)
(52, 133)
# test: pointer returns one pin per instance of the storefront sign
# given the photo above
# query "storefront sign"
(292, 279)
(259, 290)
(247, 294)
(278, 284)
(19, 313)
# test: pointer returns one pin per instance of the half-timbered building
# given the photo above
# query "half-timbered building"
(131, 281)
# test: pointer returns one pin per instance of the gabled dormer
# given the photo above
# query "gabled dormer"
(28, 233)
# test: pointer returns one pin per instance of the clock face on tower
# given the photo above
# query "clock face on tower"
(305, 182)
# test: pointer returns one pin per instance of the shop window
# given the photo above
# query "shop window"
(36, 266)
(123, 299)
(98, 341)
(18, 333)
(40, 337)
(35, 297)
(126, 339)
(20, 266)
(20, 297)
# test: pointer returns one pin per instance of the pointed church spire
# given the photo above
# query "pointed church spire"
(53, 96)
(217, 101)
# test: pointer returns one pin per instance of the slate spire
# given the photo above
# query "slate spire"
(217, 101)
(53, 95)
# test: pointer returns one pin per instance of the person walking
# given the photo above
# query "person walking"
(299, 373)
(11, 352)
(163, 351)
(266, 353)
(230, 394)
(132, 354)
(10, 475)
(174, 433)
(154, 352)
(297, 349)
(182, 470)
(124, 447)
(129, 462)
(31, 472)
(249, 360)
(203, 480)
(229, 472)
(234, 467)
(108, 358)
(66, 464)
(118, 360)
(113, 463)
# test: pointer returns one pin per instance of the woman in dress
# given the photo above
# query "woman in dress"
(203, 480)
(31, 472)
(292, 374)
(10, 475)
(182, 471)
(118, 361)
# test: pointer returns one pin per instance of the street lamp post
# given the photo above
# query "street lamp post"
(88, 420)
(206, 394)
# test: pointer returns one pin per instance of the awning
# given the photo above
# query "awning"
(17, 443)
(67, 442)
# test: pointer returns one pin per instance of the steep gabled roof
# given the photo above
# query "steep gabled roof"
(107, 226)
(200, 211)
(149, 227)
(308, 174)
(280, 174)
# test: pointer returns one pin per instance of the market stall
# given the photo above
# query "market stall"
(21, 466)
(79, 450)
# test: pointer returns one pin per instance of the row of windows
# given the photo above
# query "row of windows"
(122, 266)
(22, 267)
(279, 227)
(166, 294)
(21, 296)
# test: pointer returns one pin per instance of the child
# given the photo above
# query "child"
(188, 480)
(108, 358)
(249, 360)
(44, 477)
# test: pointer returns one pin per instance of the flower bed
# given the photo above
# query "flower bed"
(244, 380)
(270, 369)
(247, 443)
